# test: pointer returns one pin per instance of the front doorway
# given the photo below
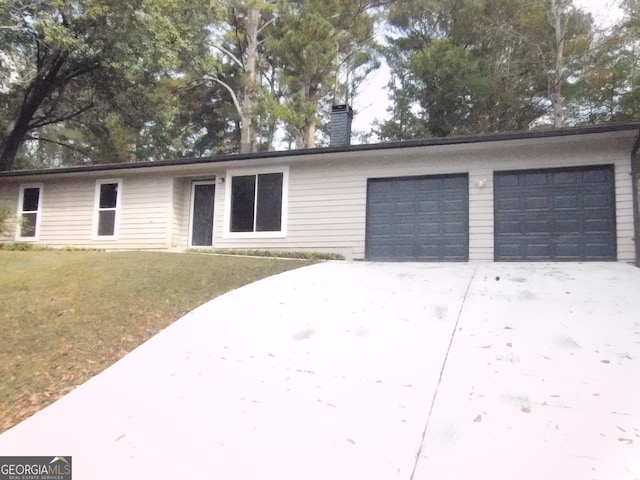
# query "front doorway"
(202, 201)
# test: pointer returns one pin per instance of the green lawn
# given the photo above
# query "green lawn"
(67, 315)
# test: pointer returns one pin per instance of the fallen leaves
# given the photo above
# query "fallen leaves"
(29, 402)
(99, 306)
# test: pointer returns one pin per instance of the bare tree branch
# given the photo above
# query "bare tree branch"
(57, 142)
(230, 54)
(234, 97)
(266, 24)
(44, 121)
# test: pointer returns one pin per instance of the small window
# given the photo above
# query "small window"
(107, 207)
(256, 204)
(29, 212)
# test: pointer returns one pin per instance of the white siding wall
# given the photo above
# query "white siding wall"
(327, 198)
(180, 218)
(327, 194)
(326, 210)
(624, 212)
(67, 217)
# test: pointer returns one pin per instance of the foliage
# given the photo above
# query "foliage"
(609, 88)
(89, 74)
(5, 214)
(68, 315)
(100, 81)
(312, 43)
(476, 66)
(19, 247)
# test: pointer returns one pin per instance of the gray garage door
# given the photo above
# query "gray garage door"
(418, 218)
(555, 214)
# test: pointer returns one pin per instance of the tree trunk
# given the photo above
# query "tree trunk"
(247, 131)
(39, 88)
(37, 92)
(309, 127)
(309, 135)
(560, 29)
(10, 149)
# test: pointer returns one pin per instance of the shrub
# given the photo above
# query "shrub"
(5, 214)
(18, 247)
(273, 253)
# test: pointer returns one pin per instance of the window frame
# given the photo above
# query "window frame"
(282, 233)
(97, 210)
(20, 212)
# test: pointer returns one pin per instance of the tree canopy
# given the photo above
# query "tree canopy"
(104, 81)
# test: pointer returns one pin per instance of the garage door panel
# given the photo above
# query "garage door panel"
(566, 202)
(455, 205)
(381, 208)
(429, 228)
(455, 182)
(537, 250)
(428, 252)
(405, 229)
(429, 220)
(568, 216)
(404, 207)
(510, 251)
(537, 226)
(535, 180)
(402, 251)
(506, 181)
(506, 227)
(597, 226)
(380, 189)
(597, 176)
(537, 203)
(565, 178)
(594, 251)
(597, 201)
(455, 228)
(567, 226)
(568, 252)
(453, 252)
(382, 234)
(427, 207)
(508, 205)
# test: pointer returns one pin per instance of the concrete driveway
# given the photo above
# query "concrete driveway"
(372, 371)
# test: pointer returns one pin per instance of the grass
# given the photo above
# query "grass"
(67, 315)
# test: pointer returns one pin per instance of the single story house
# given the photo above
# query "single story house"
(558, 195)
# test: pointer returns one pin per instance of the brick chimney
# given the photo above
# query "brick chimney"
(341, 117)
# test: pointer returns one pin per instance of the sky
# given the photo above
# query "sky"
(373, 102)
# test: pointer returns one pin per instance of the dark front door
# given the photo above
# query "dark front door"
(202, 214)
(555, 214)
(418, 218)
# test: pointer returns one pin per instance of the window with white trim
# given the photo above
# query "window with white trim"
(30, 202)
(256, 203)
(107, 208)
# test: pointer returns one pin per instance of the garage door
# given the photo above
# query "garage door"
(555, 214)
(418, 218)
